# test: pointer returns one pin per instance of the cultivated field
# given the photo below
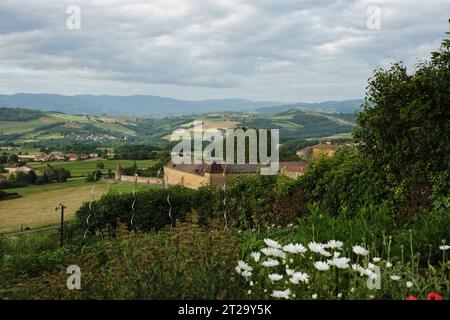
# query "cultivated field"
(36, 207)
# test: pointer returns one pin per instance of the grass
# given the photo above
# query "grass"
(32, 189)
(124, 187)
(37, 206)
(82, 168)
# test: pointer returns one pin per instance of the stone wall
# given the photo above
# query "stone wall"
(145, 180)
(189, 180)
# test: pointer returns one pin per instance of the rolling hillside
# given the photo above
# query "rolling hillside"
(24, 125)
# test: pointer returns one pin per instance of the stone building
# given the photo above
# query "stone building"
(121, 176)
(198, 175)
(326, 149)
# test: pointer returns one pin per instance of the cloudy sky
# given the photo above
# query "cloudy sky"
(279, 50)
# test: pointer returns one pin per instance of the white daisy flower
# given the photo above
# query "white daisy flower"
(299, 277)
(270, 263)
(335, 244)
(238, 269)
(249, 292)
(409, 284)
(256, 256)
(252, 283)
(274, 252)
(336, 254)
(444, 247)
(388, 265)
(315, 247)
(321, 266)
(363, 271)
(395, 278)
(294, 248)
(314, 296)
(341, 263)
(360, 251)
(339, 295)
(272, 243)
(318, 248)
(281, 294)
(371, 266)
(244, 266)
(290, 272)
(376, 259)
(275, 277)
(246, 274)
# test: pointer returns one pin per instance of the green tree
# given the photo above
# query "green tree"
(404, 128)
(13, 158)
(100, 165)
(32, 177)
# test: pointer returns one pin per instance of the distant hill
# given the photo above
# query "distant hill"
(345, 106)
(157, 107)
(304, 123)
(30, 125)
(139, 105)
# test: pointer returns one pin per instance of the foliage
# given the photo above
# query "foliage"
(94, 176)
(8, 195)
(19, 114)
(186, 262)
(149, 212)
(403, 129)
(336, 270)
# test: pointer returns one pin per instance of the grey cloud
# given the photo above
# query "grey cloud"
(258, 49)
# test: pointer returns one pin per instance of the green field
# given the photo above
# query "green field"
(82, 168)
(125, 187)
(36, 206)
(54, 125)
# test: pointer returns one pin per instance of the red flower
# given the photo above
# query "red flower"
(434, 296)
(410, 297)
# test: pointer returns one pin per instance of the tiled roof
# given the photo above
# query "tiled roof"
(201, 169)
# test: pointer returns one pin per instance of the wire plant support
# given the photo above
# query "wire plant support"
(168, 197)
(90, 206)
(224, 188)
(134, 199)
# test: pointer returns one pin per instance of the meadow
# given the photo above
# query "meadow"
(84, 167)
(36, 206)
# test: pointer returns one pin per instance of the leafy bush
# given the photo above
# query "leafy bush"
(146, 210)
(186, 262)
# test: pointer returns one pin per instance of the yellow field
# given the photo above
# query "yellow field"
(38, 209)
(209, 125)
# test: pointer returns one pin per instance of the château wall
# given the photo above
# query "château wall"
(190, 180)
(146, 180)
